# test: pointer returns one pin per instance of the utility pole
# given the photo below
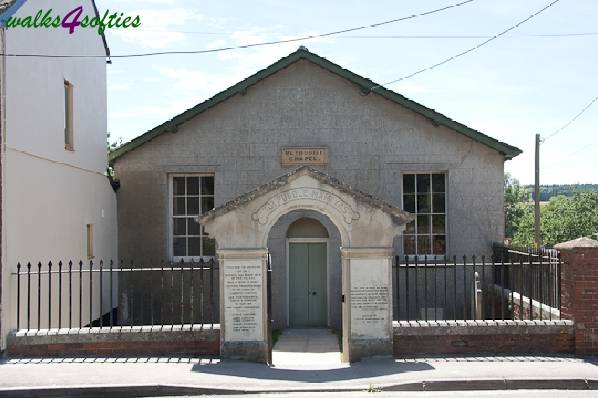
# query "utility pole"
(537, 196)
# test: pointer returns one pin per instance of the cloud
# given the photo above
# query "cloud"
(198, 81)
(119, 86)
(160, 28)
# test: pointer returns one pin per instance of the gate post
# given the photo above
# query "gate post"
(243, 304)
(579, 290)
(367, 303)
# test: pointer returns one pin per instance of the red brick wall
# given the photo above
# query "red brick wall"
(196, 343)
(579, 296)
(491, 338)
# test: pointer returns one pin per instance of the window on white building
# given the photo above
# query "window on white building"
(89, 230)
(68, 116)
(424, 194)
(191, 196)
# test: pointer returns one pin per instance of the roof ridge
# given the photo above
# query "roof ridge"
(366, 84)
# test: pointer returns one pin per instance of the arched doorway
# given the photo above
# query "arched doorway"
(243, 228)
(299, 242)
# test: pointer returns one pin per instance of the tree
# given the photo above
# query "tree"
(516, 201)
(562, 219)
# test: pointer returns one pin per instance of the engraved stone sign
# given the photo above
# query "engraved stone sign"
(243, 304)
(320, 195)
(298, 156)
(370, 299)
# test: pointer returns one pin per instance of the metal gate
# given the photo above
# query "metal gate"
(269, 306)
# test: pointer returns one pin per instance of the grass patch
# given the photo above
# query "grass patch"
(275, 336)
(339, 335)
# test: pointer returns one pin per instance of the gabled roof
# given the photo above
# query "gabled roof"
(302, 53)
(104, 41)
(397, 214)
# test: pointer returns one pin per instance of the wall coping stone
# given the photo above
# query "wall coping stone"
(580, 243)
(440, 328)
(115, 330)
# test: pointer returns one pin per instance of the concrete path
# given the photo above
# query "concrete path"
(307, 349)
(123, 377)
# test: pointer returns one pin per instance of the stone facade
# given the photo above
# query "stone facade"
(371, 142)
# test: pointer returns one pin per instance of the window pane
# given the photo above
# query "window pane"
(409, 244)
(408, 183)
(409, 203)
(207, 185)
(178, 206)
(192, 185)
(194, 247)
(178, 247)
(209, 247)
(178, 184)
(423, 183)
(438, 224)
(423, 203)
(179, 226)
(438, 183)
(192, 206)
(193, 226)
(439, 244)
(423, 224)
(438, 205)
(207, 204)
(410, 228)
(423, 244)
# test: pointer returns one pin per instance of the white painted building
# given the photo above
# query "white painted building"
(55, 193)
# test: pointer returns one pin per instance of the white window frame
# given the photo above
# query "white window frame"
(171, 217)
(430, 257)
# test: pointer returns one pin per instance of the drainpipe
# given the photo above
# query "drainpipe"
(2, 179)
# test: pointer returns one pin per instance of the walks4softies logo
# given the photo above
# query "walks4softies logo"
(73, 19)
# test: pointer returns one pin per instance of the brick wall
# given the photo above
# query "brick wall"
(119, 342)
(483, 337)
(579, 291)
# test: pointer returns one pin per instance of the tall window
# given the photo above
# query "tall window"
(192, 195)
(68, 116)
(424, 194)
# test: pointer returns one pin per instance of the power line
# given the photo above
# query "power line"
(575, 152)
(447, 60)
(564, 126)
(478, 36)
(268, 43)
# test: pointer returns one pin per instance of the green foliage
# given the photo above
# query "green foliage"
(549, 191)
(561, 219)
(516, 200)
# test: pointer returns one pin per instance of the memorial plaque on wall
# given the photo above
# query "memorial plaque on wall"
(299, 156)
(370, 299)
(243, 304)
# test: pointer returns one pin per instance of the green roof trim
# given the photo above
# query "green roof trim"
(302, 53)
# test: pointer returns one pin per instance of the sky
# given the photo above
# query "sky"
(512, 88)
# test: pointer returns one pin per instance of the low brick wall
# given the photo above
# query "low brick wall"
(483, 337)
(118, 341)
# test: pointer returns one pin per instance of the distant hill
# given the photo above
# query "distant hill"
(548, 191)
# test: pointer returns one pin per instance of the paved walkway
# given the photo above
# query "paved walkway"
(307, 349)
(162, 375)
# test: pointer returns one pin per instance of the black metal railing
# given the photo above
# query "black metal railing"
(97, 294)
(476, 288)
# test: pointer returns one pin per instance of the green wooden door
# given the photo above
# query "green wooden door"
(307, 284)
